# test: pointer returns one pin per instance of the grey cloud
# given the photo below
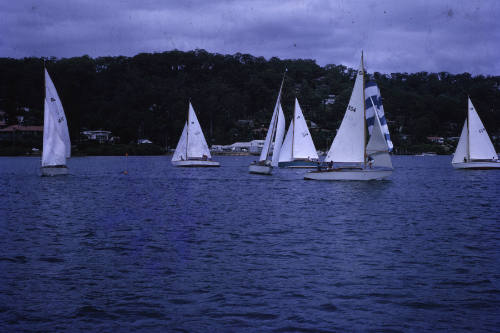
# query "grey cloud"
(454, 36)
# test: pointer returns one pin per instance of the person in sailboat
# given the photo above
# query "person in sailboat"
(330, 165)
(370, 161)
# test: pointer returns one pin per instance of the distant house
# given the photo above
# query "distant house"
(99, 136)
(436, 139)
(20, 133)
(245, 123)
(254, 147)
(329, 100)
(3, 118)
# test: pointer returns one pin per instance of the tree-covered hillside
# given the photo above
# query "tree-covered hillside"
(146, 96)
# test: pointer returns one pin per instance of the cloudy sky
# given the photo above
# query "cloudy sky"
(397, 35)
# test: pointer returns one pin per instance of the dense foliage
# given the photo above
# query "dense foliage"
(146, 96)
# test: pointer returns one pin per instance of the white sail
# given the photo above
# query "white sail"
(461, 154)
(286, 148)
(349, 143)
(181, 149)
(377, 147)
(480, 145)
(56, 142)
(278, 141)
(196, 145)
(373, 101)
(303, 146)
(274, 127)
(269, 137)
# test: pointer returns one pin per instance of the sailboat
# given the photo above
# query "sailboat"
(474, 149)
(276, 131)
(56, 142)
(298, 149)
(356, 160)
(192, 149)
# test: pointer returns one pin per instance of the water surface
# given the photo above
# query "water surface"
(220, 250)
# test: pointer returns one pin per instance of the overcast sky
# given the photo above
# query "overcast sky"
(397, 35)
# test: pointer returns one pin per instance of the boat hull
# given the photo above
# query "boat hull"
(349, 174)
(260, 169)
(299, 164)
(477, 165)
(195, 164)
(51, 171)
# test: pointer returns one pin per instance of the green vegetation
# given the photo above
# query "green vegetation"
(146, 96)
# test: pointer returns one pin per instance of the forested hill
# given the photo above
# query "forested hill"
(146, 96)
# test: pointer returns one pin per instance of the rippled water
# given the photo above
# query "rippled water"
(216, 250)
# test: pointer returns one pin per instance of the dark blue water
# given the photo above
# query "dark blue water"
(219, 250)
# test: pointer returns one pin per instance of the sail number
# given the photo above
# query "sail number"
(351, 108)
(482, 130)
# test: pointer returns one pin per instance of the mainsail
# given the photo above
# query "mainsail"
(298, 142)
(303, 145)
(349, 143)
(480, 145)
(56, 141)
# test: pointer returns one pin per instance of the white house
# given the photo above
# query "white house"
(101, 136)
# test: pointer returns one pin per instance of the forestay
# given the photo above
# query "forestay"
(349, 143)
(56, 141)
(480, 145)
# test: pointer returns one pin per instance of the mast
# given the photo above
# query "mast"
(364, 107)
(187, 130)
(293, 127)
(468, 135)
(275, 124)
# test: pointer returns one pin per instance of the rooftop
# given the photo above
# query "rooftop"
(21, 128)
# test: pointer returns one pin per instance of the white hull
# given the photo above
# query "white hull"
(54, 171)
(260, 169)
(195, 163)
(348, 174)
(476, 165)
